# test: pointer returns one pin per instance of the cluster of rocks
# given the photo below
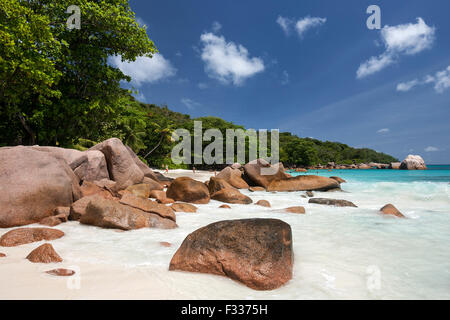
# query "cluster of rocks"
(108, 186)
(411, 162)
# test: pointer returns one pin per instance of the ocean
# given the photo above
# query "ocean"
(340, 253)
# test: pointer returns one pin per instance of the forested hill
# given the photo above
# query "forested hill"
(154, 124)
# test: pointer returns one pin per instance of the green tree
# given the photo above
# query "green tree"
(56, 84)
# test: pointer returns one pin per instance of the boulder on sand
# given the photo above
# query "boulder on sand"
(303, 183)
(44, 254)
(60, 272)
(121, 165)
(332, 202)
(254, 189)
(255, 252)
(216, 184)
(263, 203)
(148, 205)
(233, 177)
(33, 184)
(107, 213)
(340, 180)
(188, 190)
(261, 172)
(296, 209)
(390, 209)
(17, 237)
(412, 162)
(231, 195)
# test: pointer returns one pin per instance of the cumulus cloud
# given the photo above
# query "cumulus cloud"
(227, 61)
(307, 23)
(441, 81)
(189, 103)
(431, 149)
(145, 69)
(406, 86)
(285, 24)
(302, 25)
(384, 130)
(403, 39)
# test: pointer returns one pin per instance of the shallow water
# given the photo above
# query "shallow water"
(340, 253)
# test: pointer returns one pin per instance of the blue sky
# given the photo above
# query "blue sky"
(312, 68)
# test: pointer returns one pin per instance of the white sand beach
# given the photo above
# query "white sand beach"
(337, 251)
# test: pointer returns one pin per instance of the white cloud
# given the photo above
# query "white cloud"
(441, 81)
(144, 69)
(374, 64)
(227, 61)
(307, 23)
(285, 24)
(406, 86)
(301, 26)
(431, 149)
(216, 26)
(403, 39)
(384, 130)
(189, 103)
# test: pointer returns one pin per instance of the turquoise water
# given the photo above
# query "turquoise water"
(435, 173)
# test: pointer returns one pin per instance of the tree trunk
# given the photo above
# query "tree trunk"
(27, 129)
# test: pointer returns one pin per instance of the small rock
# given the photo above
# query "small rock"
(263, 203)
(254, 189)
(225, 206)
(61, 272)
(2, 255)
(44, 254)
(296, 209)
(332, 202)
(309, 194)
(389, 209)
(165, 244)
(183, 207)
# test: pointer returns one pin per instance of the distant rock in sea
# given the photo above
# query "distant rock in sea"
(413, 162)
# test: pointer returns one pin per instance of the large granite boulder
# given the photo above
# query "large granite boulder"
(87, 165)
(262, 173)
(121, 164)
(412, 162)
(17, 237)
(106, 213)
(188, 190)
(216, 184)
(255, 252)
(303, 183)
(33, 184)
(233, 177)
